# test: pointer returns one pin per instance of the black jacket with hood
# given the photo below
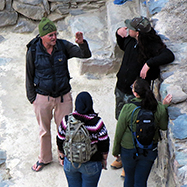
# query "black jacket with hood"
(130, 67)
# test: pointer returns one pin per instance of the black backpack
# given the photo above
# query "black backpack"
(145, 128)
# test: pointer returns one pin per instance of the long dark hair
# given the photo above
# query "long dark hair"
(142, 88)
(149, 44)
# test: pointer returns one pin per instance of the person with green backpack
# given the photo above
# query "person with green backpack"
(80, 170)
(137, 160)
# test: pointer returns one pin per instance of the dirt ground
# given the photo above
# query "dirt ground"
(18, 126)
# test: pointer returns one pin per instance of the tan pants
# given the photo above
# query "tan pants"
(43, 108)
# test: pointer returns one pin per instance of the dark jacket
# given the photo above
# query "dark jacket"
(130, 67)
(48, 74)
(51, 72)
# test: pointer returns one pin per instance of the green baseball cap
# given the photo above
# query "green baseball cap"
(141, 24)
(46, 26)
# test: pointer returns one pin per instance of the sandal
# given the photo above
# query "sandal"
(39, 164)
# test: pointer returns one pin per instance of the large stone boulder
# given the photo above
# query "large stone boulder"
(8, 18)
(2, 4)
(172, 20)
(35, 12)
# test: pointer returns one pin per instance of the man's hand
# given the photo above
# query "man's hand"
(79, 38)
(123, 32)
(143, 72)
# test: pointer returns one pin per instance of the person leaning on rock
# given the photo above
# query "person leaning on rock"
(47, 82)
(144, 52)
(138, 161)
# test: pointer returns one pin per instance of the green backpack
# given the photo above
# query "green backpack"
(77, 145)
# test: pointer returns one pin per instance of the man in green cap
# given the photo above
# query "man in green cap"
(144, 52)
(47, 81)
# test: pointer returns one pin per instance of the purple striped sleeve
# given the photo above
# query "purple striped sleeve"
(62, 130)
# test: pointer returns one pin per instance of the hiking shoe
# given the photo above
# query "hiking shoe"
(123, 174)
(117, 164)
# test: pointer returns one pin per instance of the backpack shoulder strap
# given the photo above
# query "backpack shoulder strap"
(73, 120)
(133, 136)
(63, 46)
(33, 41)
(32, 45)
(132, 115)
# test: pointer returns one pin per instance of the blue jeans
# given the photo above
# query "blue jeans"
(86, 176)
(137, 168)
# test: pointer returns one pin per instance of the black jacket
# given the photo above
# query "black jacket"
(51, 71)
(35, 72)
(130, 67)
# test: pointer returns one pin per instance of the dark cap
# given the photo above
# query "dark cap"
(141, 24)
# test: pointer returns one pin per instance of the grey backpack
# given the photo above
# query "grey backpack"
(77, 145)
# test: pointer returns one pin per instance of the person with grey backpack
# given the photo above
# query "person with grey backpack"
(83, 144)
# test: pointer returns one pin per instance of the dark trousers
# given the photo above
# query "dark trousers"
(137, 168)
(121, 99)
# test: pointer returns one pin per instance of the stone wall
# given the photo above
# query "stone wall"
(171, 23)
(10, 10)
